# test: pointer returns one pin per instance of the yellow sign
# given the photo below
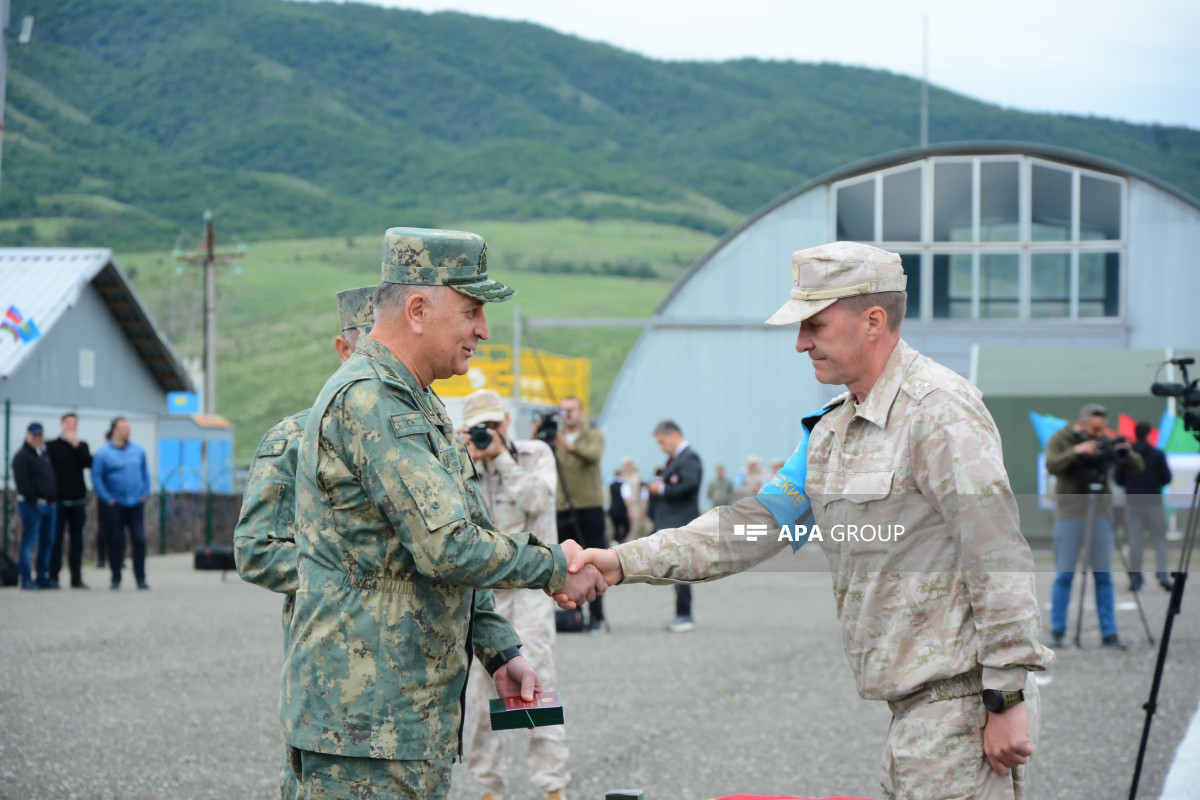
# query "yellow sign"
(546, 378)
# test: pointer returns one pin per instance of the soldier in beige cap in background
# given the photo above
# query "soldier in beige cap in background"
(941, 622)
(517, 479)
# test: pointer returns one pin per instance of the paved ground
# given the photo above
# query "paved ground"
(171, 694)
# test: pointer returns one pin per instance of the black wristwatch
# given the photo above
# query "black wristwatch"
(500, 659)
(996, 701)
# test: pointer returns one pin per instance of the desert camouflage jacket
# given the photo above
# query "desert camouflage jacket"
(952, 594)
(391, 551)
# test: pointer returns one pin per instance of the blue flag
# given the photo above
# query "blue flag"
(784, 496)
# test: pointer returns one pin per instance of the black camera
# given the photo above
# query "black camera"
(1113, 451)
(547, 427)
(481, 436)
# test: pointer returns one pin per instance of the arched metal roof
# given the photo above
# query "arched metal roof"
(897, 157)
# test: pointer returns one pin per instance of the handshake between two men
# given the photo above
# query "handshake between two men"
(590, 573)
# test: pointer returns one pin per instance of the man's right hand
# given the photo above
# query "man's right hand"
(585, 562)
(584, 582)
(1088, 448)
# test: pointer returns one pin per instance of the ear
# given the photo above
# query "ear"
(342, 347)
(416, 311)
(876, 320)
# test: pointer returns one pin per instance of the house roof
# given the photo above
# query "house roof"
(45, 282)
(896, 157)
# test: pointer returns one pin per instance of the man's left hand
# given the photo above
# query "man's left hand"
(517, 677)
(1006, 741)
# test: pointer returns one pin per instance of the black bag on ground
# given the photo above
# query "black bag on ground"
(9, 574)
(215, 558)
(568, 621)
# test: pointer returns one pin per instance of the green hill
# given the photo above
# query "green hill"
(127, 118)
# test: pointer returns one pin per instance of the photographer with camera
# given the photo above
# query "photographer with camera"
(517, 479)
(578, 448)
(1080, 458)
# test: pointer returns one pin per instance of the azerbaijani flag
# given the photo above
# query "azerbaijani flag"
(23, 329)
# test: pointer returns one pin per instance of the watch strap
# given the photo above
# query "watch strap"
(500, 659)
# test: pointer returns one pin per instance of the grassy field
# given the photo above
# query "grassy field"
(277, 315)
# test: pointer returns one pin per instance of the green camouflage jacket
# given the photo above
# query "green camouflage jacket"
(264, 540)
(391, 550)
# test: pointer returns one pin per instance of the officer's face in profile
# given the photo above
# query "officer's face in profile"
(834, 340)
(455, 330)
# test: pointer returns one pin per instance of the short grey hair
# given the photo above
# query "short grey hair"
(351, 337)
(1092, 410)
(894, 304)
(666, 427)
(389, 298)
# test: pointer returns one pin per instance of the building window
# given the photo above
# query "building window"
(856, 212)
(995, 237)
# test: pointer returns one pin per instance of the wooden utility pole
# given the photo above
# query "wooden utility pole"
(209, 259)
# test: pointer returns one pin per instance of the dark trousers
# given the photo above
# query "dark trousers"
(118, 519)
(37, 528)
(101, 533)
(620, 528)
(69, 520)
(683, 600)
(589, 534)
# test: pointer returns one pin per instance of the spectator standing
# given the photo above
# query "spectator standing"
(1144, 507)
(517, 479)
(678, 493)
(720, 489)
(1073, 456)
(634, 493)
(579, 448)
(70, 458)
(37, 493)
(618, 511)
(122, 483)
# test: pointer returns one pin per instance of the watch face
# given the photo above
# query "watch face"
(992, 700)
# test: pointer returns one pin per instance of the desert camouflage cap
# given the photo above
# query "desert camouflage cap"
(483, 405)
(821, 275)
(427, 257)
(355, 309)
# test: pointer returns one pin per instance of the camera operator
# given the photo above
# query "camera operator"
(579, 448)
(517, 480)
(1080, 458)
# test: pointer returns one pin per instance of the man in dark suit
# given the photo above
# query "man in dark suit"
(676, 498)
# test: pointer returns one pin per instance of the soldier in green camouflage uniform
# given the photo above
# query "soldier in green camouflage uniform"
(265, 537)
(935, 616)
(396, 552)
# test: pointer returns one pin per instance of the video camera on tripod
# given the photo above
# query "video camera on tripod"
(1112, 451)
(1186, 392)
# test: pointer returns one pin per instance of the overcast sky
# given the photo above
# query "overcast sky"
(1136, 60)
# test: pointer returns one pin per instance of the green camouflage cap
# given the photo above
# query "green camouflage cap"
(355, 309)
(424, 257)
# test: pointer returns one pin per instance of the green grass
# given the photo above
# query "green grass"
(277, 315)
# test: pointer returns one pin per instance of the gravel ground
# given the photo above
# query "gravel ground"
(171, 694)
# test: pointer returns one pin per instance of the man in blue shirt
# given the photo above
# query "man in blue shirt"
(121, 480)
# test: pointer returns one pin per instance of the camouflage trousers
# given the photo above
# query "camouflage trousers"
(934, 748)
(323, 776)
(532, 615)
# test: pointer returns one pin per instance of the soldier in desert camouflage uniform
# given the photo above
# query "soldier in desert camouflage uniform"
(517, 478)
(933, 617)
(395, 549)
(265, 537)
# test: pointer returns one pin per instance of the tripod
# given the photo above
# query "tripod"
(1173, 609)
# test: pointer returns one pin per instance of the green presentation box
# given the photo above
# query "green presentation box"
(512, 712)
